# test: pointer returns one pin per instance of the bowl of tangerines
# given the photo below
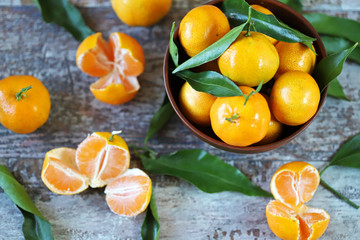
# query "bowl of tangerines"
(238, 74)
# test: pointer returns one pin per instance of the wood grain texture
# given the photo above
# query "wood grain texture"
(30, 46)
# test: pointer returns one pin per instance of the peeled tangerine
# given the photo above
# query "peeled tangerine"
(118, 63)
(288, 217)
(101, 159)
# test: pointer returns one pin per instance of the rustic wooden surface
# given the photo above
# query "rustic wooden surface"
(30, 46)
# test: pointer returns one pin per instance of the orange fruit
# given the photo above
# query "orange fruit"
(295, 183)
(292, 185)
(141, 12)
(266, 11)
(117, 63)
(201, 27)
(294, 98)
(129, 194)
(295, 56)
(308, 223)
(238, 124)
(249, 59)
(60, 173)
(24, 103)
(101, 158)
(195, 105)
(275, 129)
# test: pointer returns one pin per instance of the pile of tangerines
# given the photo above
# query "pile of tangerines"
(253, 58)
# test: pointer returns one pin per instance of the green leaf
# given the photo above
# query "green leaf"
(62, 13)
(236, 11)
(295, 4)
(336, 90)
(335, 26)
(173, 50)
(211, 82)
(216, 49)
(35, 226)
(207, 172)
(348, 154)
(330, 67)
(151, 226)
(333, 44)
(160, 118)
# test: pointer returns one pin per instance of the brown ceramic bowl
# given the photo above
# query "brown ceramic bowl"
(173, 83)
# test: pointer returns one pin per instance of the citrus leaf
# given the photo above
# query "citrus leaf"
(333, 44)
(216, 49)
(211, 82)
(151, 226)
(348, 154)
(173, 50)
(62, 13)
(295, 4)
(160, 118)
(35, 225)
(336, 90)
(236, 12)
(207, 172)
(335, 26)
(330, 67)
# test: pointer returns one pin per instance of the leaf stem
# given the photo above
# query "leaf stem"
(113, 133)
(247, 34)
(22, 92)
(233, 117)
(339, 195)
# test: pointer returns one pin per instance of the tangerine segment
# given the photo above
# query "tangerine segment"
(306, 224)
(60, 174)
(295, 183)
(129, 194)
(94, 56)
(102, 160)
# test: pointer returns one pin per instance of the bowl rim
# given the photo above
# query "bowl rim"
(252, 148)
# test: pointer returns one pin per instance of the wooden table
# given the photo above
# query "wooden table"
(30, 46)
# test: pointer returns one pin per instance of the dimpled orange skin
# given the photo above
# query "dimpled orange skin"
(28, 114)
(249, 60)
(294, 98)
(196, 105)
(141, 12)
(266, 11)
(295, 56)
(252, 124)
(201, 27)
(275, 129)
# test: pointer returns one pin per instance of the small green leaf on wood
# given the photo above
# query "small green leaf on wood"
(150, 229)
(335, 26)
(207, 172)
(62, 13)
(330, 67)
(160, 118)
(35, 225)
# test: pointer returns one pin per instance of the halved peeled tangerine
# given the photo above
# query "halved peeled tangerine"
(288, 217)
(101, 158)
(129, 194)
(60, 173)
(118, 63)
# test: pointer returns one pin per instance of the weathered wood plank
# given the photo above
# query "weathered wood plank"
(46, 51)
